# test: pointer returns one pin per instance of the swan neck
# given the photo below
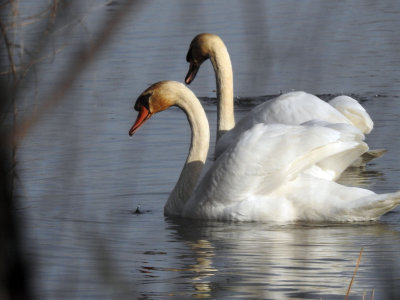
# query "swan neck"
(196, 158)
(224, 80)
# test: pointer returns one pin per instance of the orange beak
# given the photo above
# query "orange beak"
(143, 116)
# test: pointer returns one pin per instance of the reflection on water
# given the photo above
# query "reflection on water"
(295, 261)
(360, 177)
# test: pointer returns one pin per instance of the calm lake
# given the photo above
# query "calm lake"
(81, 176)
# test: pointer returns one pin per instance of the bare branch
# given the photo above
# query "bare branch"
(84, 58)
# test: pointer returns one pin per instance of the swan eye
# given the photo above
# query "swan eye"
(143, 100)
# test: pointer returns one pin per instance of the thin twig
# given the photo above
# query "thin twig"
(354, 274)
(28, 20)
(9, 51)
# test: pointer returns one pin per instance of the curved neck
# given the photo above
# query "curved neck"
(197, 153)
(224, 79)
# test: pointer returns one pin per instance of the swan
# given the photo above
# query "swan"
(290, 108)
(260, 176)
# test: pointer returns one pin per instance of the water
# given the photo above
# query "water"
(82, 177)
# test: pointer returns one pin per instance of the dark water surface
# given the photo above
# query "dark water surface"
(82, 177)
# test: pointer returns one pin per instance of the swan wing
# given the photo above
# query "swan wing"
(333, 166)
(291, 108)
(262, 159)
(296, 108)
(353, 111)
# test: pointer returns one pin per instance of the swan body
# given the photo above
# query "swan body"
(262, 176)
(290, 108)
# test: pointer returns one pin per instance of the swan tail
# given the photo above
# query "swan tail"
(319, 200)
(373, 207)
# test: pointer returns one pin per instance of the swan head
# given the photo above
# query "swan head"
(201, 48)
(156, 98)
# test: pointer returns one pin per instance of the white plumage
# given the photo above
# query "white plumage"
(264, 175)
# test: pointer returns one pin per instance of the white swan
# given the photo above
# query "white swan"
(289, 108)
(260, 177)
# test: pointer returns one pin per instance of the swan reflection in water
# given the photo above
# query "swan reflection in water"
(360, 177)
(253, 260)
